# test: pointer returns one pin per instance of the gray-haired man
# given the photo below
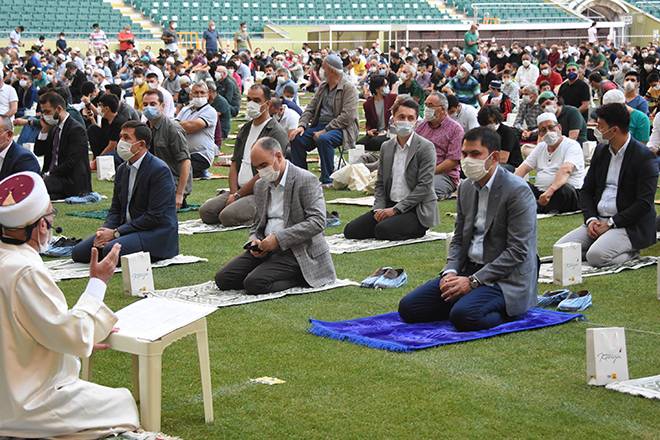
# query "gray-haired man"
(286, 247)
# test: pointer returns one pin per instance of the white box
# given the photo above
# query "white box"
(354, 154)
(105, 167)
(137, 277)
(607, 359)
(567, 264)
(588, 148)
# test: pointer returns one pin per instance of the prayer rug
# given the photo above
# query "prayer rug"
(359, 201)
(648, 387)
(92, 197)
(340, 245)
(101, 214)
(538, 216)
(69, 270)
(212, 177)
(209, 294)
(545, 274)
(197, 226)
(389, 332)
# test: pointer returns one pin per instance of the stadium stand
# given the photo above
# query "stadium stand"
(522, 11)
(650, 6)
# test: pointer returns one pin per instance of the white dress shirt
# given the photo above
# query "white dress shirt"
(276, 205)
(476, 251)
(3, 153)
(526, 76)
(132, 175)
(245, 171)
(607, 204)
(43, 136)
(400, 190)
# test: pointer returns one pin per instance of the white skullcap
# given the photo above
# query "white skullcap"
(24, 199)
(615, 96)
(184, 79)
(467, 66)
(99, 72)
(547, 116)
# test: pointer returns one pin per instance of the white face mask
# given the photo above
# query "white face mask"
(253, 110)
(526, 99)
(526, 63)
(386, 90)
(429, 114)
(474, 169)
(50, 120)
(551, 138)
(269, 174)
(322, 74)
(629, 86)
(153, 86)
(599, 137)
(551, 108)
(493, 126)
(484, 72)
(403, 128)
(124, 150)
(545, 72)
(139, 81)
(199, 102)
(23, 83)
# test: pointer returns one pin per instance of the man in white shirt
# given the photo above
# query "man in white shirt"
(287, 247)
(466, 115)
(527, 73)
(559, 165)
(592, 34)
(286, 117)
(15, 38)
(168, 102)
(8, 99)
(41, 395)
(198, 120)
(617, 194)
(237, 207)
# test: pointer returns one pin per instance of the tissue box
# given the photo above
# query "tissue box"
(607, 359)
(137, 277)
(567, 264)
(354, 154)
(105, 167)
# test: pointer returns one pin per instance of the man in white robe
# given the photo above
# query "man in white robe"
(41, 339)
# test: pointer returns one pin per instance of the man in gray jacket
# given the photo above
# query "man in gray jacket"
(491, 272)
(286, 247)
(329, 120)
(405, 203)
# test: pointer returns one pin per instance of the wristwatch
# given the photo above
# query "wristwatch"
(116, 233)
(474, 282)
(610, 223)
(237, 195)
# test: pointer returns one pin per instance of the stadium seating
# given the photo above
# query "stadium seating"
(192, 15)
(650, 6)
(522, 11)
(72, 17)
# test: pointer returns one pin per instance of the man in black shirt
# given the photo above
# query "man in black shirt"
(574, 91)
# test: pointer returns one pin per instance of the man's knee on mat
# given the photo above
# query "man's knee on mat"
(209, 215)
(407, 310)
(466, 319)
(256, 284)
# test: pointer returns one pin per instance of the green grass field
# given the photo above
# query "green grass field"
(523, 386)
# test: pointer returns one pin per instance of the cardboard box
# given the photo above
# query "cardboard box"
(137, 276)
(567, 264)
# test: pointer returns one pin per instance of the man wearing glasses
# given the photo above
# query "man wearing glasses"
(41, 338)
(559, 164)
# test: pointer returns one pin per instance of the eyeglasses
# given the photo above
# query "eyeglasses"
(546, 129)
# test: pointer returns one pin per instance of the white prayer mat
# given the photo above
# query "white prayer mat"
(209, 294)
(70, 270)
(545, 274)
(340, 245)
(538, 216)
(190, 227)
(648, 387)
(359, 201)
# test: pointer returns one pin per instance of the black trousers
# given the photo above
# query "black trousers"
(565, 199)
(275, 272)
(399, 227)
(199, 164)
(372, 143)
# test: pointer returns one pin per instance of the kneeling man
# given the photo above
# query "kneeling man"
(491, 270)
(142, 215)
(41, 395)
(559, 164)
(405, 203)
(287, 247)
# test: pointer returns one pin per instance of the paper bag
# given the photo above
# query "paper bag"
(354, 177)
(354, 154)
(607, 360)
(105, 167)
(136, 273)
(567, 264)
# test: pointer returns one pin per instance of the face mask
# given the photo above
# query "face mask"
(403, 77)
(474, 169)
(322, 74)
(199, 102)
(50, 120)
(626, 66)
(403, 128)
(483, 71)
(151, 113)
(124, 150)
(600, 136)
(645, 54)
(269, 174)
(253, 110)
(656, 87)
(493, 126)
(545, 72)
(526, 63)
(572, 76)
(648, 67)
(139, 81)
(153, 86)
(281, 80)
(506, 82)
(386, 90)
(382, 72)
(23, 83)
(551, 138)
(44, 245)
(49, 78)
(629, 86)
(429, 114)
(460, 74)
(550, 109)
(526, 99)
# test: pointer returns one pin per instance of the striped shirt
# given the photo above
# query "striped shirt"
(467, 91)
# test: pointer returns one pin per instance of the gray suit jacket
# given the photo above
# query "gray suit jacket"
(420, 168)
(509, 241)
(304, 223)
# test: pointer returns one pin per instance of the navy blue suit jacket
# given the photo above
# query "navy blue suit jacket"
(18, 159)
(152, 208)
(635, 193)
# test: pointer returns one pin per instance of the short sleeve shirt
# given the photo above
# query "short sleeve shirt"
(211, 38)
(7, 96)
(547, 165)
(202, 142)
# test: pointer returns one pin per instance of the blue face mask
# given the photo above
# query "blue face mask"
(572, 76)
(382, 72)
(151, 113)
